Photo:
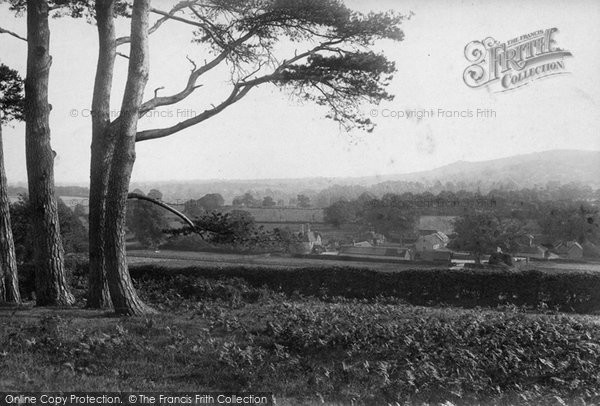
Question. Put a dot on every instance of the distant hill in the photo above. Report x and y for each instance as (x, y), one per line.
(562, 166)
(520, 171)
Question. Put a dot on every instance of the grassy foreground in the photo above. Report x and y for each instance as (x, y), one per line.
(225, 335)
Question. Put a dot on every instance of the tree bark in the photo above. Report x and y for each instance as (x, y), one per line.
(9, 280)
(51, 285)
(124, 297)
(98, 292)
(101, 154)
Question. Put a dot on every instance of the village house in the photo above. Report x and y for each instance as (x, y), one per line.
(528, 249)
(430, 242)
(568, 249)
(308, 240)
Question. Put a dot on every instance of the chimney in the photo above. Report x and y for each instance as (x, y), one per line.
(307, 228)
(302, 229)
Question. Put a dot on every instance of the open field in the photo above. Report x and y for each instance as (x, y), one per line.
(183, 258)
(223, 334)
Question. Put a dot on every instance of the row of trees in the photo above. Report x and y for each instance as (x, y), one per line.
(552, 191)
(248, 200)
(331, 66)
(484, 232)
(389, 215)
(557, 220)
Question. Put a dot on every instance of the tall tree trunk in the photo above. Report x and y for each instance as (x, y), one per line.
(124, 297)
(9, 281)
(102, 149)
(3, 230)
(50, 282)
(98, 292)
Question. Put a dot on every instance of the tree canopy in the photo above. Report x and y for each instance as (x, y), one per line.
(11, 95)
(484, 232)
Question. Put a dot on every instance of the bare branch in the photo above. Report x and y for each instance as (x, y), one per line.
(235, 95)
(194, 67)
(157, 89)
(166, 16)
(14, 34)
(193, 78)
(176, 18)
(240, 89)
(210, 28)
(123, 55)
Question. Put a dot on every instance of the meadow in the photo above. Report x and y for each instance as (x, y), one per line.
(230, 333)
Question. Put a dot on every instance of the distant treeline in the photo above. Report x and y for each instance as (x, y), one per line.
(575, 216)
(451, 191)
(75, 191)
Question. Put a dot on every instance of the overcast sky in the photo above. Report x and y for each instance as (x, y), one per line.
(270, 135)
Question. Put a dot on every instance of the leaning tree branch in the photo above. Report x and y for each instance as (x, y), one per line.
(164, 206)
(238, 92)
(14, 34)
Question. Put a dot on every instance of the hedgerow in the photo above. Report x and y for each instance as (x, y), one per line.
(577, 292)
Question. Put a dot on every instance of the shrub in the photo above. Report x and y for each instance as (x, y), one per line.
(76, 271)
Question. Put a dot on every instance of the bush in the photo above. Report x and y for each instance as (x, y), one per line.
(568, 292)
(76, 273)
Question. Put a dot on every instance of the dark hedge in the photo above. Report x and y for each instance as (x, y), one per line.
(568, 292)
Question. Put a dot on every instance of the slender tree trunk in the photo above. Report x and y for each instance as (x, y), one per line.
(101, 151)
(3, 231)
(9, 280)
(51, 285)
(98, 292)
(2, 285)
(124, 297)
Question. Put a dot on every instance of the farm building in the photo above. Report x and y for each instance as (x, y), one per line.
(442, 255)
(533, 251)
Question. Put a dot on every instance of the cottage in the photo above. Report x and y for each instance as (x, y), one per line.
(590, 250)
(430, 242)
(307, 241)
(569, 249)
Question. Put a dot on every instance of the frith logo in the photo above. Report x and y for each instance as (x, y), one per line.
(515, 63)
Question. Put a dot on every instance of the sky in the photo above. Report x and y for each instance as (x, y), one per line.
(272, 135)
